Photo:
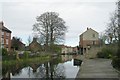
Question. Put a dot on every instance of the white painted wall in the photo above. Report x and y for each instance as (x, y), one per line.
(88, 35)
(67, 49)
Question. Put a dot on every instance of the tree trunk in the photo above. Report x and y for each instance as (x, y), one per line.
(47, 37)
(51, 40)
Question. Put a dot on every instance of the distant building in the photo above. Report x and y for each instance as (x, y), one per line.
(75, 49)
(5, 37)
(16, 44)
(88, 39)
(34, 46)
(66, 49)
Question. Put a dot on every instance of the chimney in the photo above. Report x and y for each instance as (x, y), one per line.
(87, 28)
(2, 23)
(34, 39)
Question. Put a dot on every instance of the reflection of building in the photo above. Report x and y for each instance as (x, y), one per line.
(87, 39)
(66, 58)
(5, 37)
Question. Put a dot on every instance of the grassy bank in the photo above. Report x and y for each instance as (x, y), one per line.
(39, 59)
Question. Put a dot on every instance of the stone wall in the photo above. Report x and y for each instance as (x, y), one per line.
(92, 53)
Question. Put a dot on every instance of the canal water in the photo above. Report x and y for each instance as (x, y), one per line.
(62, 67)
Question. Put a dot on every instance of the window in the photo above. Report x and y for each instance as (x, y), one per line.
(6, 41)
(93, 35)
(94, 42)
(6, 46)
(7, 34)
(2, 33)
(2, 46)
(2, 40)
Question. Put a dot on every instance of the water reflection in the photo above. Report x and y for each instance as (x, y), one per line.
(60, 67)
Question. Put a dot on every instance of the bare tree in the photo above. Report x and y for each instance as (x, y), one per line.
(116, 59)
(103, 38)
(118, 52)
(29, 40)
(112, 29)
(51, 27)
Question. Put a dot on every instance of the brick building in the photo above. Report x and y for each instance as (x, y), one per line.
(17, 44)
(5, 37)
(34, 46)
(88, 39)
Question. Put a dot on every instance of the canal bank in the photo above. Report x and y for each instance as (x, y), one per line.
(62, 67)
(97, 68)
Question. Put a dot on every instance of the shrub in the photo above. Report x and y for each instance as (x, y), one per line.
(4, 52)
(26, 55)
(105, 53)
(17, 56)
(116, 62)
(8, 55)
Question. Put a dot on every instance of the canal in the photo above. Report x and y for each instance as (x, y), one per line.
(59, 67)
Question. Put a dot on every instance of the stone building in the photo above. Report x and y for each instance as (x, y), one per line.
(66, 49)
(88, 39)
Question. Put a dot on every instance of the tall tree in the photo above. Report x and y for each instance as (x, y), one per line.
(112, 28)
(102, 38)
(51, 27)
(118, 53)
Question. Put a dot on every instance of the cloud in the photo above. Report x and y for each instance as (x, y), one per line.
(20, 16)
(48, 1)
(0, 11)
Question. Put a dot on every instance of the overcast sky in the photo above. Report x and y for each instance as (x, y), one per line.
(19, 16)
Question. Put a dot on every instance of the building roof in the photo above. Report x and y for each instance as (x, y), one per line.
(87, 30)
(18, 41)
(4, 28)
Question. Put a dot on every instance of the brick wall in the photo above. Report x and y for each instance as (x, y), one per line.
(5, 37)
(7, 40)
(85, 43)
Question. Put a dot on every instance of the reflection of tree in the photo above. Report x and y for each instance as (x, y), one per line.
(56, 70)
(66, 58)
(29, 71)
(40, 71)
(48, 70)
(14, 69)
(60, 71)
(51, 70)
